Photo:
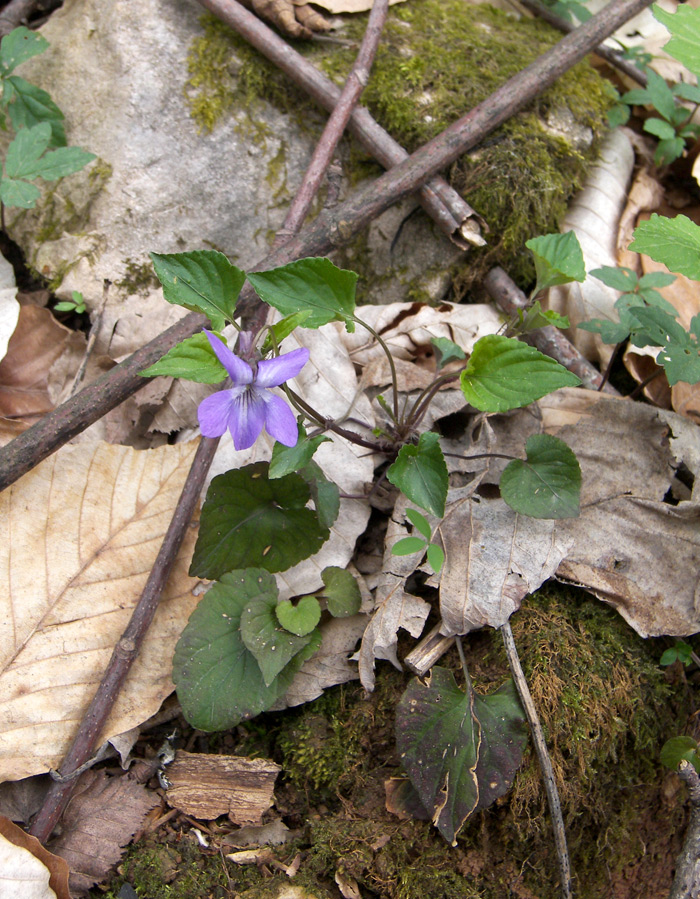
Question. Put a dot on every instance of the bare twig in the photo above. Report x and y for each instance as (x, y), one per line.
(334, 227)
(550, 341)
(325, 148)
(614, 57)
(126, 649)
(442, 203)
(550, 783)
(686, 883)
(132, 639)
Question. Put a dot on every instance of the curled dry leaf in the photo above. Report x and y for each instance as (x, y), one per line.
(103, 815)
(206, 786)
(593, 216)
(27, 869)
(80, 534)
(38, 341)
(9, 306)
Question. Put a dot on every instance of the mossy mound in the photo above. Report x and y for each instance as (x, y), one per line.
(437, 60)
(607, 707)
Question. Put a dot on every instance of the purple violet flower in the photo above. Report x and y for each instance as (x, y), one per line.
(249, 405)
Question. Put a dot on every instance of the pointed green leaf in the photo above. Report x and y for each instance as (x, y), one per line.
(202, 280)
(286, 459)
(406, 546)
(684, 26)
(314, 284)
(623, 279)
(298, 618)
(547, 484)
(558, 259)
(218, 680)
(436, 557)
(248, 519)
(341, 592)
(273, 647)
(18, 193)
(25, 150)
(282, 329)
(324, 493)
(446, 351)
(610, 332)
(675, 750)
(192, 359)
(29, 105)
(58, 163)
(504, 373)
(20, 45)
(680, 354)
(675, 242)
(537, 317)
(419, 522)
(420, 473)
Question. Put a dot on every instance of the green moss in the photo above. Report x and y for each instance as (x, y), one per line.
(139, 278)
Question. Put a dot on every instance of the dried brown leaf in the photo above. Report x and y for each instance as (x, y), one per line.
(79, 535)
(103, 815)
(206, 786)
(27, 869)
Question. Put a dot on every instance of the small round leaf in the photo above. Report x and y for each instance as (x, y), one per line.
(299, 619)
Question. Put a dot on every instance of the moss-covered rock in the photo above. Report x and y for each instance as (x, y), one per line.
(437, 60)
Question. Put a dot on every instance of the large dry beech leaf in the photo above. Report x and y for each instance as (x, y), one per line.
(78, 537)
(206, 786)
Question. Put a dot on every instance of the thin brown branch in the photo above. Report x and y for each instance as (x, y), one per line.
(453, 215)
(550, 341)
(127, 648)
(550, 784)
(334, 227)
(129, 645)
(686, 882)
(614, 57)
(326, 146)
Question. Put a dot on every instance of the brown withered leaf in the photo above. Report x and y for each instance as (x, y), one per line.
(27, 869)
(37, 342)
(206, 786)
(103, 815)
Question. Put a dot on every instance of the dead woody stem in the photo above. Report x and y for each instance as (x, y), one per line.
(332, 228)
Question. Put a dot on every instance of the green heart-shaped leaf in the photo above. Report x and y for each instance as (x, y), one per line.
(421, 473)
(545, 485)
(273, 647)
(300, 618)
(341, 592)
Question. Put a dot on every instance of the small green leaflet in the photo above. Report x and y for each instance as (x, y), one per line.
(406, 546)
(558, 260)
(286, 459)
(20, 45)
(675, 750)
(461, 751)
(203, 281)
(675, 242)
(419, 522)
(340, 592)
(547, 484)
(283, 328)
(18, 193)
(192, 359)
(657, 94)
(218, 680)
(248, 519)
(684, 26)
(25, 150)
(446, 351)
(299, 618)
(537, 317)
(272, 645)
(420, 472)
(324, 493)
(680, 354)
(503, 373)
(314, 285)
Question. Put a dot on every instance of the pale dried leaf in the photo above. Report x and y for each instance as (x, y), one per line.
(593, 216)
(80, 534)
(206, 786)
(273, 834)
(20, 800)
(645, 195)
(27, 869)
(337, 7)
(9, 306)
(101, 818)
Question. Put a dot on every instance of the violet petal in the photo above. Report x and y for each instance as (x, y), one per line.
(273, 372)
